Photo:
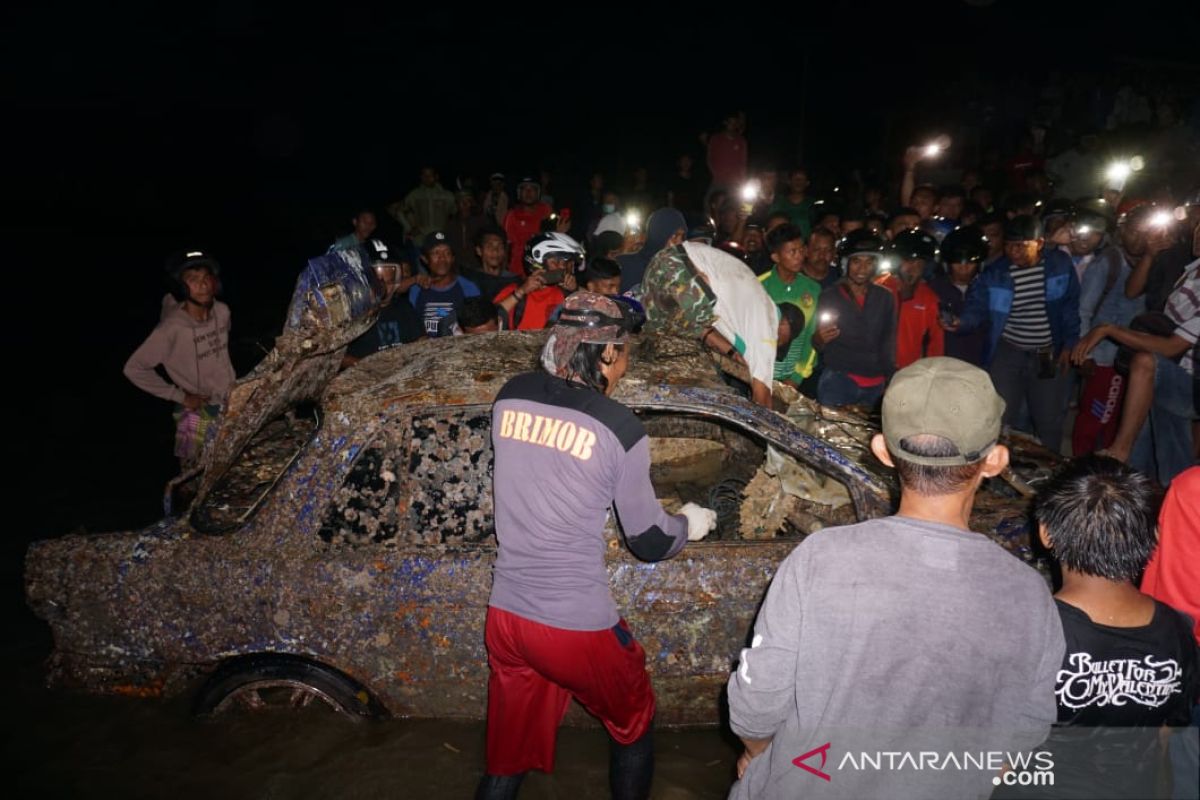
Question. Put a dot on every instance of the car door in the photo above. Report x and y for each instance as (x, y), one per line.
(404, 563)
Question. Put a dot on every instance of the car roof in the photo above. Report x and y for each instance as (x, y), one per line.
(470, 370)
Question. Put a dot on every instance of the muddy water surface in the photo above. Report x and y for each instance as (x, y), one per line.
(63, 744)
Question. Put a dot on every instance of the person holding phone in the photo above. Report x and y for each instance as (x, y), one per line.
(961, 253)
(551, 260)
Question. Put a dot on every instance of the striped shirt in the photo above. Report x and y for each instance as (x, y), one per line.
(1183, 307)
(1028, 327)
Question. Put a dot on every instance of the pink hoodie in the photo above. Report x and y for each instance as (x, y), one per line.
(194, 354)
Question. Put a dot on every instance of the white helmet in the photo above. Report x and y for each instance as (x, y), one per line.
(542, 246)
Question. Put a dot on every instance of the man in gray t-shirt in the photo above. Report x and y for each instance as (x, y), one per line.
(905, 656)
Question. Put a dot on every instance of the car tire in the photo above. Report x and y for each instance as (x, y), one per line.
(245, 681)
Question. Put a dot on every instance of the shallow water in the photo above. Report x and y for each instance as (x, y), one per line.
(65, 744)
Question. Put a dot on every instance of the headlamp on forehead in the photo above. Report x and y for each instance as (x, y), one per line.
(1161, 219)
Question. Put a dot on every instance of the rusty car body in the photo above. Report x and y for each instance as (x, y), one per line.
(339, 544)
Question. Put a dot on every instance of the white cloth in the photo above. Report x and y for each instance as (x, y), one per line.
(746, 314)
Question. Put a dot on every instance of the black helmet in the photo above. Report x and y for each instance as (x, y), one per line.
(914, 244)
(190, 259)
(964, 244)
(700, 228)
(1058, 207)
(178, 263)
(379, 253)
(1137, 216)
(1022, 228)
(861, 242)
(1088, 220)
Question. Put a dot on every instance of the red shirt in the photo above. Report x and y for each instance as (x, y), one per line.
(521, 223)
(727, 159)
(918, 334)
(538, 307)
(1173, 575)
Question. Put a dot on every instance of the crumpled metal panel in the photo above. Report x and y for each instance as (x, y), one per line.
(332, 291)
(335, 302)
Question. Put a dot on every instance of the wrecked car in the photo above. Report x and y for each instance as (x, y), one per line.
(337, 541)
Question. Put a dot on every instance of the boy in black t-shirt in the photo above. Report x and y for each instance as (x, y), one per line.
(1131, 665)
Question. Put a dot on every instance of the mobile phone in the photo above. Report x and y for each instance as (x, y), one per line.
(552, 276)
(945, 315)
(565, 214)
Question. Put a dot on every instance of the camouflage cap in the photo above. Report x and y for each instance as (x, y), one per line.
(586, 318)
(942, 397)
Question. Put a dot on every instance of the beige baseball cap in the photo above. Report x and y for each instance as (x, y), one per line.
(943, 397)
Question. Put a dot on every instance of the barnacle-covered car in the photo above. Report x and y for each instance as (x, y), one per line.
(339, 541)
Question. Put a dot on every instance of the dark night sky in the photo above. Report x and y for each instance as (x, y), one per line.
(191, 122)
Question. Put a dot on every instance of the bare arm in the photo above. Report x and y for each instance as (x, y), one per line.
(1170, 346)
(715, 341)
(1155, 244)
(531, 284)
(754, 749)
(1167, 346)
(760, 393)
(1135, 285)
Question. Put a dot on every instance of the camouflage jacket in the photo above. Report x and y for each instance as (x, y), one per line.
(676, 299)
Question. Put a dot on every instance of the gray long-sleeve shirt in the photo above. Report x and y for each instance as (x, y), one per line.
(895, 635)
(564, 454)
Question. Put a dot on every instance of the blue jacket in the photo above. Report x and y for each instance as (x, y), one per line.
(1096, 307)
(990, 298)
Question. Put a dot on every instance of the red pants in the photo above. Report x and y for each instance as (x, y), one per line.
(536, 670)
(1099, 411)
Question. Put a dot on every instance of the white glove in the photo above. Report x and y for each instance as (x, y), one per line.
(700, 520)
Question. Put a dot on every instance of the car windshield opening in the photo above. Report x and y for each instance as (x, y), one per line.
(257, 469)
(758, 490)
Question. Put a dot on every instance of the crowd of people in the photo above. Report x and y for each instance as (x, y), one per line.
(1082, 308)
(956, 310)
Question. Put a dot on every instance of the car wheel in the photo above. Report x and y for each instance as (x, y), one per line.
(261, 682)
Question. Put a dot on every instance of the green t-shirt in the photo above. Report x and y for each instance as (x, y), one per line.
(797, 212)
(802, 292)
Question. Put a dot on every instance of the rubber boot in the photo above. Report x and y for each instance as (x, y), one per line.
(499, 787)
(631, 767)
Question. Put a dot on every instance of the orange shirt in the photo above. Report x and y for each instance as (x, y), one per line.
(918, 333)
